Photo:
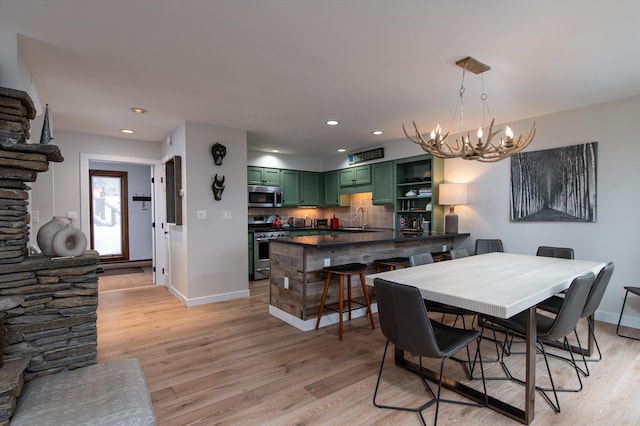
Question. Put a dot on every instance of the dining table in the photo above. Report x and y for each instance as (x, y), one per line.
(496, 284)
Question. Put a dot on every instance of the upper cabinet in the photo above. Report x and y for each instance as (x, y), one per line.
(359, 175)
(383, 183)
(290, 182)
(310, 189)
(332, 188)
(263, 176)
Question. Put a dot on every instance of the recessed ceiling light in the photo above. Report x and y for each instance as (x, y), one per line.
(275, 150)
(138, 110)
(127, 131)
(341, 150)
(333, 122)
(377, 132)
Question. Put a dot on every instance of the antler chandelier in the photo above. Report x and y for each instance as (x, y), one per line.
(487, 150)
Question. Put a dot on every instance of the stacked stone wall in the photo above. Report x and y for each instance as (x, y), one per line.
(51, 312)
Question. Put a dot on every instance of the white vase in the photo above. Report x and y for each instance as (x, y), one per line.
(59, 237)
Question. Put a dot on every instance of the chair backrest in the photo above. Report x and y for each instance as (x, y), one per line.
(458, 253)
(559, 252)
(484, 245)
(597, 291)
(403, 318)
(574, 300)
(420, 259)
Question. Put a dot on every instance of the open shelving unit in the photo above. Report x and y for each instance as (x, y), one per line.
(422, 175)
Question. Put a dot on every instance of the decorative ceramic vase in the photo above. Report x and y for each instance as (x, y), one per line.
(59, 237)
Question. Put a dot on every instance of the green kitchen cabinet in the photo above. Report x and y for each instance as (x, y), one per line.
(331, 188)
(383, 183)
(310, 189)
(263, 176)
(290, 182)
(358, 175)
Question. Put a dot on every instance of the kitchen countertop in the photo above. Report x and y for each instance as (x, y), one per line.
(351, 237)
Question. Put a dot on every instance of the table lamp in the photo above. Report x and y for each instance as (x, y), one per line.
(452, 194)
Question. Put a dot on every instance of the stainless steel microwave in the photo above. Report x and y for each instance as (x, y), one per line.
(265, 196)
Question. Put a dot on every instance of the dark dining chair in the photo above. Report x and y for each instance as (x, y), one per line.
(458, 253)
(632, 290)
(484, 245)
(559, 252)
(404, 321)
(554, 304)
(550, 328)
(420, 259)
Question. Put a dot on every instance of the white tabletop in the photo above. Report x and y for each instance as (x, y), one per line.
(498, 284)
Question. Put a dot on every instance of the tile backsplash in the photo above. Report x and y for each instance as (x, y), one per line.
(375, 216)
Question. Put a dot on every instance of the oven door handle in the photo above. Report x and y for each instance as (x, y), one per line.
(262, 270)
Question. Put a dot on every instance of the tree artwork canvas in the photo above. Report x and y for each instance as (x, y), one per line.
(555, 185)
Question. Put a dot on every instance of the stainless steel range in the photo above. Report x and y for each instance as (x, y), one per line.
(263, 233)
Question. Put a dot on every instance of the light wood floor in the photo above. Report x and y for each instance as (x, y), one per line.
(107, 281)
(233, 363)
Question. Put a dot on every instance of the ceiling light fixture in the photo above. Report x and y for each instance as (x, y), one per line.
(333, 122)
(341, 150)
(483, 151)
(127, 131)
(377, 132)
(138, 110)
(275, 150)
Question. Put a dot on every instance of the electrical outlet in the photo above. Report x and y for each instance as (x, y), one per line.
(327, 262)
(444, 247)
(286, 283)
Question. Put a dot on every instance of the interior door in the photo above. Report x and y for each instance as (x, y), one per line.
(160, 234)
(109, 216)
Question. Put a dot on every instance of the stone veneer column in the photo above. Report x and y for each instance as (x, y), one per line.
(51, 312)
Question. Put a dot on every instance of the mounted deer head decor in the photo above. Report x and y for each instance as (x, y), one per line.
(218, 151)
(217, 186)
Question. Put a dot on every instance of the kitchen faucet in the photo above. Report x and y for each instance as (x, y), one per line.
(362, 224)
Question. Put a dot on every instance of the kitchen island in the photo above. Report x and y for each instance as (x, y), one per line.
(297, 279)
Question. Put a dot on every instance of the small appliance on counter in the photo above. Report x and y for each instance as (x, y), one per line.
(322, 223)
(335, 222)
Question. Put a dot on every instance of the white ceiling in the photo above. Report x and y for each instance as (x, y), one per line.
(280, 68)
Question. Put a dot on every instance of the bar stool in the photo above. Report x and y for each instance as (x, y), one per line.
(391, 264)
(341, 271)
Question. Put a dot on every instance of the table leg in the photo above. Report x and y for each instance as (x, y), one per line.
(530, 378)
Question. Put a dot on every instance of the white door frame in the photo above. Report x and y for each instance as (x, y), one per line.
(85, 158)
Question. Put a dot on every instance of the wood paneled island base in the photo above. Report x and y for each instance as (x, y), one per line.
(297, 278)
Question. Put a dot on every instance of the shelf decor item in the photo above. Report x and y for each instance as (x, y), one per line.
(59, 237)
(488, 150)
(452, 194)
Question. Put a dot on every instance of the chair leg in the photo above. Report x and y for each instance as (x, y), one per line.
(624, 302)
(349, 295)
(368, 301)
(341, 303)
(392, 407)
(324, 298)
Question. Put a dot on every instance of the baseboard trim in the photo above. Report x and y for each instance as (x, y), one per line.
(327, 319)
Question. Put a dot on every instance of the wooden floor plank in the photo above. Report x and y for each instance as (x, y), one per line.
(233, 363)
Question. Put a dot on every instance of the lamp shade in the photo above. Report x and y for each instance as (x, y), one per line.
(452, 194)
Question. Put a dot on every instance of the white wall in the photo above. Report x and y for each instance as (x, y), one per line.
(140, 220)
(615, 126)
(57, 191)
(210, 254)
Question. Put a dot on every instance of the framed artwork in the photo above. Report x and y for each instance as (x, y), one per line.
(555, 185)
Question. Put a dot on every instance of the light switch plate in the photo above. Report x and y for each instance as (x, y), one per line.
(226, 215)
(202, 214)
